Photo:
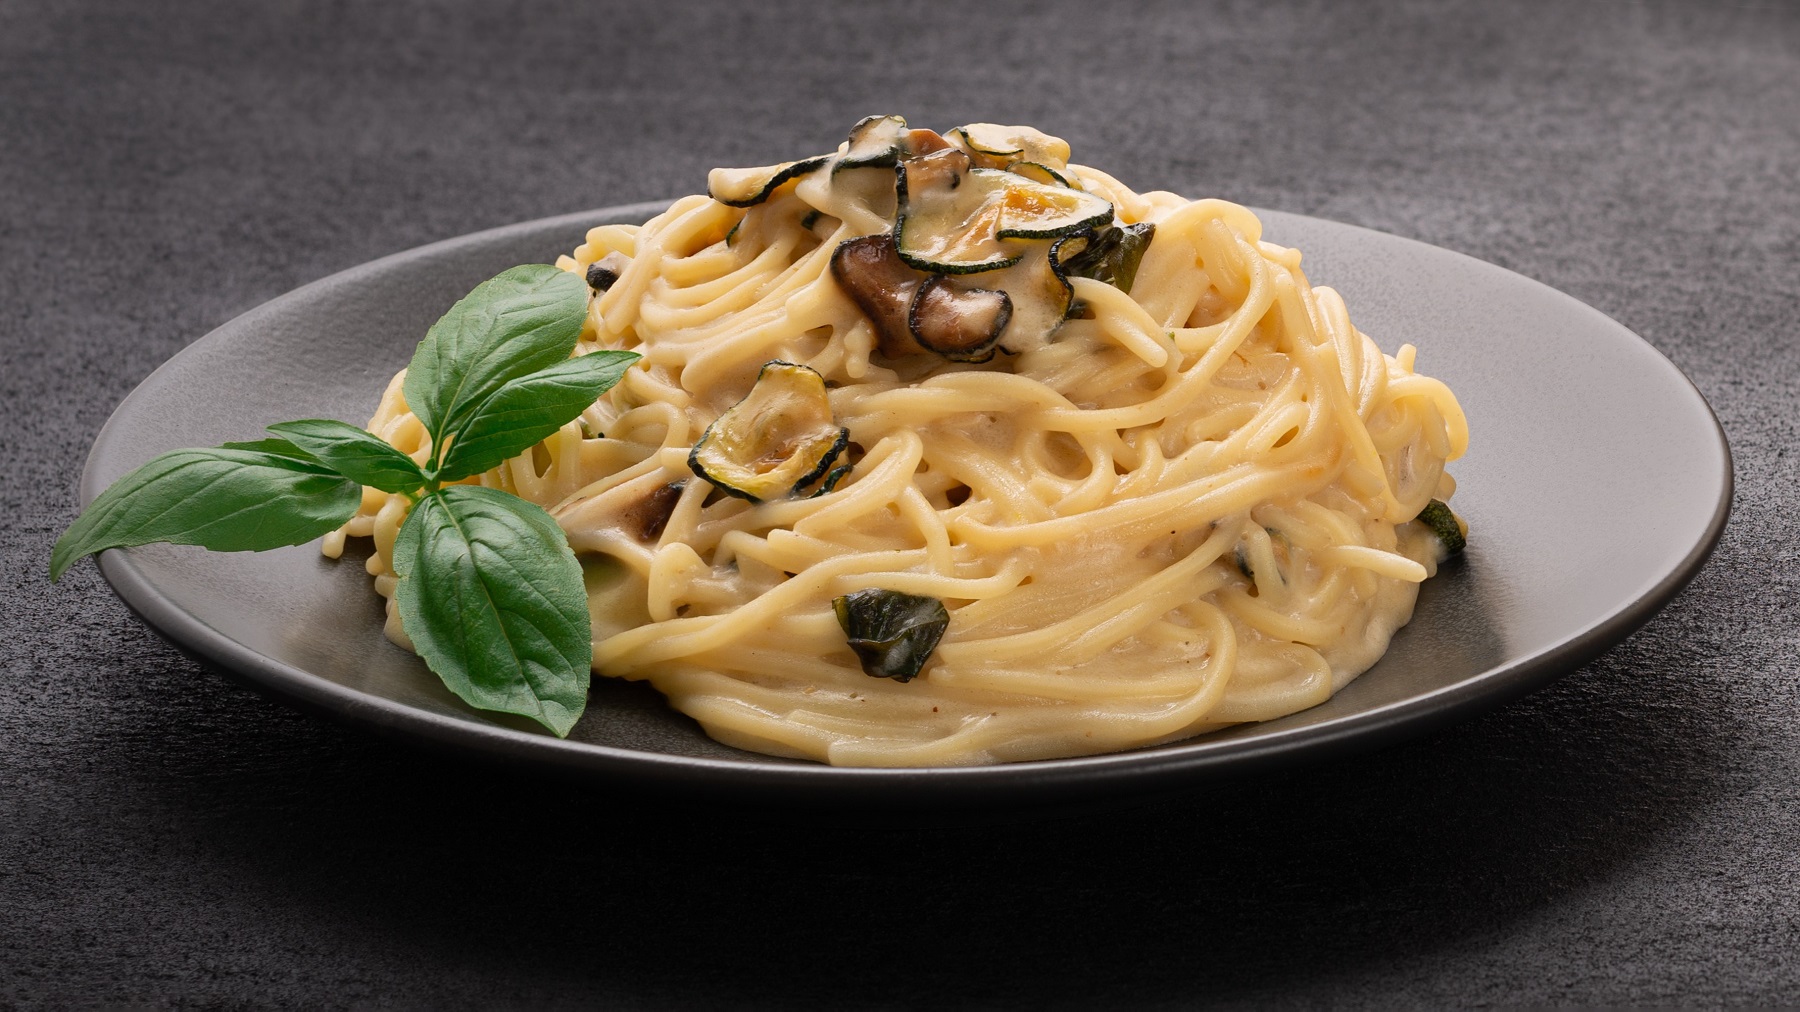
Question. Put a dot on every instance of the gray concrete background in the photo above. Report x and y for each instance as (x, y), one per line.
(167, 837)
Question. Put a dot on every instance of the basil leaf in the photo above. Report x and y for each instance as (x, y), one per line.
(492, 598)
(518, 322)
(527, 409)
(227, 499)
(354, 453)
(892, 633)
(280, 448)
(1112, 255)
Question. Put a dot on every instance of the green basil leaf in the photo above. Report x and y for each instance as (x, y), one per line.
(226, 499)
(492, 598)
(525, 410)
(892, 633)
(280, 448)
(518, 322)
(354, 453)
(1112, 255)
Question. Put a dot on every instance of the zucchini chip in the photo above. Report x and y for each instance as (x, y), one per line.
(893, 634)
(953, 220)
(1041, 173)
(994, 146)
(876, 142)
(1034, 210)
(939, 226)
(1110, 254)
(830, 484)
(1438, 516)
(777, 440)
(749, 187)
(961, 324)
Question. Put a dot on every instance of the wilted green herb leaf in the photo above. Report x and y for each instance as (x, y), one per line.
(892, 633)
(1112, 255)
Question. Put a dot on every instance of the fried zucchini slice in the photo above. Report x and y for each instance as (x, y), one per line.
(875, 142)
(1041, 298)
(777, 440)
(955, 219)
(995, 146)
(1039, 172)
(749, 187)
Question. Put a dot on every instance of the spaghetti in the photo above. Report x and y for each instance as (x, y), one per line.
(1187, 501)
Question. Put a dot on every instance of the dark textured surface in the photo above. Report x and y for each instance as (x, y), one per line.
(167, 837)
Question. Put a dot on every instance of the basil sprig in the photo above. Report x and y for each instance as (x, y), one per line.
(488, 589)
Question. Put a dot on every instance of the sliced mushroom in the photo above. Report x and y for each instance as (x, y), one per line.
(646, 518)
(869, 271)
(938, 169)
(777, 440)
(962, 324)
(924, 142)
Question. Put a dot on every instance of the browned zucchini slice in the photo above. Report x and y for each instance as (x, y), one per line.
(961, 324)
(952, 221)
(1041, 173)
(877, 141)
(749, 187)
(777, 440)
(1034, 210)
(996, 146)
(944, 225)
(830, 484)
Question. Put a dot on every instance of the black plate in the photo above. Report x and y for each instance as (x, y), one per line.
(1597, 483)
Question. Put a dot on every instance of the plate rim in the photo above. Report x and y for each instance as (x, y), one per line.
(1181, 764)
